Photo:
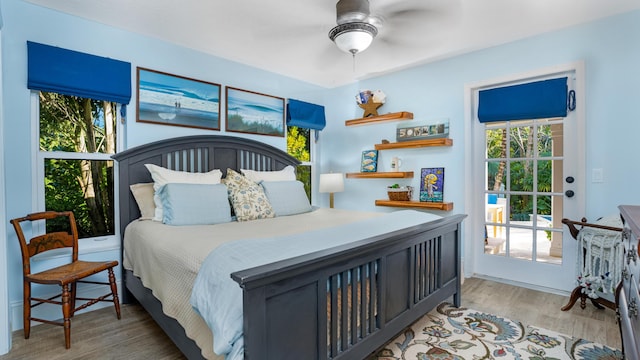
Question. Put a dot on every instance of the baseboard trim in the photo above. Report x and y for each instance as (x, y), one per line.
(523, 285)
(54, 312)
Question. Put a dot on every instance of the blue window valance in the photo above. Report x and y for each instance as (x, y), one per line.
(305, 115)
(534, 100)
(68, 72)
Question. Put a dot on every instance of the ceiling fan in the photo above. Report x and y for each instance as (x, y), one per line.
(357, 26)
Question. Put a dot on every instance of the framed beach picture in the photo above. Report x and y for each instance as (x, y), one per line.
(254, 113)
(432, 184)
(369, 161)
(176, 100)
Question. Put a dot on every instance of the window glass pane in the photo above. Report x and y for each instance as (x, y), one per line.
(74, 124)
(303, 173)
(496, 143)
(299, 143)
(545, 175)
(521, 142)
(545, 141)
(521, 208)
(496, 171)
(521, 243)
(84, 187)
(521, 175)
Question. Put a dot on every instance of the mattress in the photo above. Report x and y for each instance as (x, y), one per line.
(167, 258)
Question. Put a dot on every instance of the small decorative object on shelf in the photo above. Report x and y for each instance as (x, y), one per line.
(432, 184)
(399, 193)
(370, 101)
(369, 161)
(424, 131)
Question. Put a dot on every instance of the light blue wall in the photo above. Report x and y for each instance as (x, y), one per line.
(610, 49)
(26, 22)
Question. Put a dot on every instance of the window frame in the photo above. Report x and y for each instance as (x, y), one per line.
(311, 163)
(86, 245)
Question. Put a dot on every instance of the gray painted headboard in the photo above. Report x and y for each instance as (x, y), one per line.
(199, 153)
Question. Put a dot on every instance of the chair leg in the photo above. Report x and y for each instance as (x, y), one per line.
(72, 300)
(26, 313)
(66, 313)
(114, 291)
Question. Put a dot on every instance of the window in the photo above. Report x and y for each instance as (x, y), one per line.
(523, 189)
(299, 146)
(76, 137)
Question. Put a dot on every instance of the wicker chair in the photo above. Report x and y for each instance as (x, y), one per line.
(65, 275)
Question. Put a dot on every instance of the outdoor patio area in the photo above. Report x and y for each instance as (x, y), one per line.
(521, 244)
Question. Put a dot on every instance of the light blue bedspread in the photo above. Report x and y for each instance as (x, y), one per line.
(218, 299)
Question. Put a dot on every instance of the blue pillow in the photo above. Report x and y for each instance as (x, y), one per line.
(194, 204)
(286, 197)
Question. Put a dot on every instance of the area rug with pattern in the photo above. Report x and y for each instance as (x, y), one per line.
(454, 333)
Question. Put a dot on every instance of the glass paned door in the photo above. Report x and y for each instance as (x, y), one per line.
(524, 199)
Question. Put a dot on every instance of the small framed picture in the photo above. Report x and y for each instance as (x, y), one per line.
(432, 184)
(369, 161)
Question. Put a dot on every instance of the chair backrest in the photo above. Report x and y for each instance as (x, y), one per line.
(48, 241)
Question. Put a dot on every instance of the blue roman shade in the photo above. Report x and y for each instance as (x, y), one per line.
(305, 115)
(534, 100)
(68, 72)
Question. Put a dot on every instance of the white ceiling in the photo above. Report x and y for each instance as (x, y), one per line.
(289, 37)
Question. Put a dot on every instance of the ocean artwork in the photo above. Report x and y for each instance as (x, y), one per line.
(176, 100)
(254, 113)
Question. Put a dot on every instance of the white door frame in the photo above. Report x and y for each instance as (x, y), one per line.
(474, 223)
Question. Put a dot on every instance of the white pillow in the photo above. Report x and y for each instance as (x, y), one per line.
(162, 176)
(286, 197)
(143, 193)
(195, 204)
(286, 174)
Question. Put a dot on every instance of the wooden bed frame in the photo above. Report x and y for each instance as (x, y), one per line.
(288, 304)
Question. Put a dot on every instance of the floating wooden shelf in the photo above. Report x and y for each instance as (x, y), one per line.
(403, 115)
(415, 144)
(381, 175)
(446, 206)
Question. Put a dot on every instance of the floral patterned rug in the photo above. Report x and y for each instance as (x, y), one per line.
(454, 333)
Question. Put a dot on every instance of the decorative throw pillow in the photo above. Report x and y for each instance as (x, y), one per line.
(143, 194)
(162, 176)
(286, 174)
(247, 198)
(287, 197)
(194, 204)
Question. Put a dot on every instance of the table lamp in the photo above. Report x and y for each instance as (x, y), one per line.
(331, 183)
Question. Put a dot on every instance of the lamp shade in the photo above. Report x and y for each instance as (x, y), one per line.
(331, 183)
(353, 37)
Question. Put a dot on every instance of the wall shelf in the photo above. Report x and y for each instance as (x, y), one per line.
(381, 175)
(415, 144)
(446, 206)
(403, 115)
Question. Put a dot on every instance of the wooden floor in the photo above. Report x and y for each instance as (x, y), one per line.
(99, 335)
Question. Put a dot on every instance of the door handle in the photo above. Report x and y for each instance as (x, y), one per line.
(569, 193)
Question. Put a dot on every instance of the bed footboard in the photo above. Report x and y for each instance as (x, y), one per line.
(347, 302)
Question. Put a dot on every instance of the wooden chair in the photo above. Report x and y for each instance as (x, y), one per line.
(65, 275)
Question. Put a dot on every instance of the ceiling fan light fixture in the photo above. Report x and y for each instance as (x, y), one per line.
(353, 37)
